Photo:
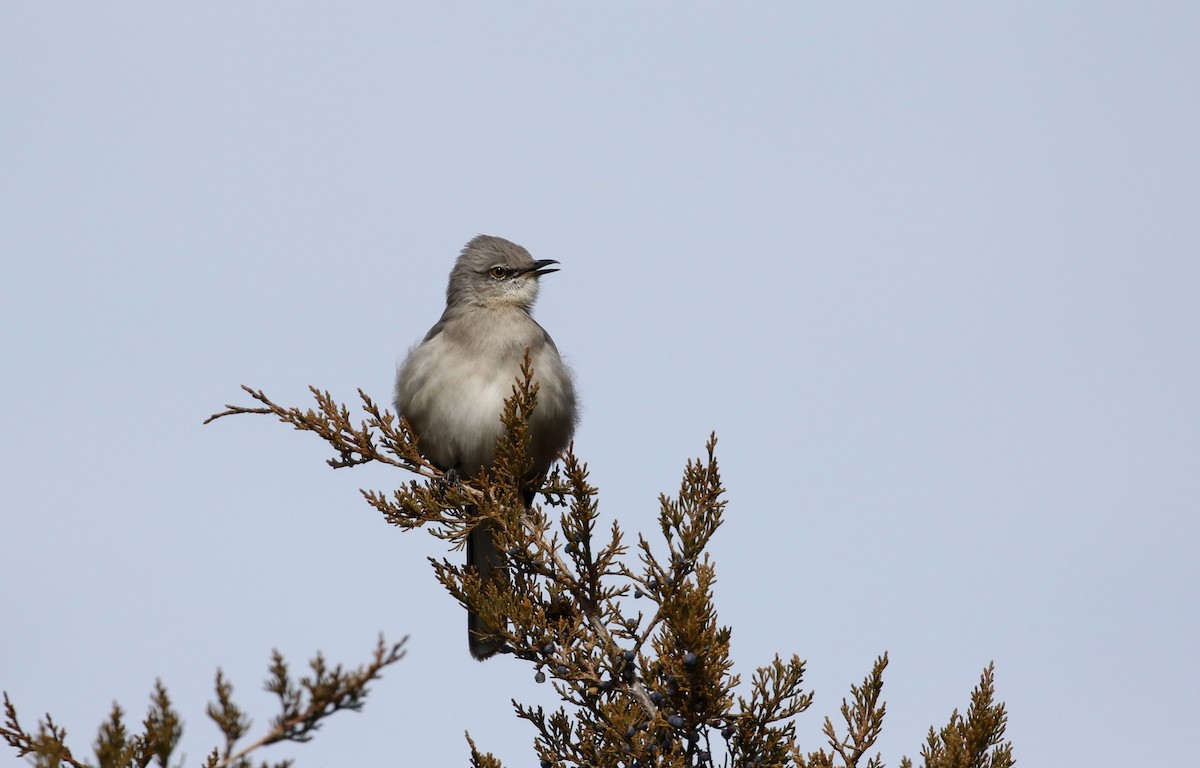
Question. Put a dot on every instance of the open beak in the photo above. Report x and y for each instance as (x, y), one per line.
(539, 268)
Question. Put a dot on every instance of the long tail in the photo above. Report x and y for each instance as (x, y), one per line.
(483, 555)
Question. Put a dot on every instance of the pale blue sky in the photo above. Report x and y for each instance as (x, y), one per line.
(930, 272)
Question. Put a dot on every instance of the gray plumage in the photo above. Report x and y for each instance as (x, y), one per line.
(453, 385)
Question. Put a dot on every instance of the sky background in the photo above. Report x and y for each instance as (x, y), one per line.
(930, 271)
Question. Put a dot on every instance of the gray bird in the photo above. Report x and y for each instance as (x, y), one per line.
(453, 385)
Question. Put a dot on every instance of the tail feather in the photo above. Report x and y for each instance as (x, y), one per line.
(483, 555)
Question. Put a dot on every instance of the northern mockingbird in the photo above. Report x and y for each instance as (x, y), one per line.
(453, 385)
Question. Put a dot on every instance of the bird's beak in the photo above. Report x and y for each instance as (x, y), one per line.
(539, 268)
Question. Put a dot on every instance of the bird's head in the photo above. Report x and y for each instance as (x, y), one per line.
(496, 273)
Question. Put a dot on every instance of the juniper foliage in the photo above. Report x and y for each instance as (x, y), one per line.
(305, 702)
(627, 636)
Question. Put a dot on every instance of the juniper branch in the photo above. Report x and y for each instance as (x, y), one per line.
(557, 609)
(49, 744)
(327, 691)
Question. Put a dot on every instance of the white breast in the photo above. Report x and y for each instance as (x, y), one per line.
(454, 396)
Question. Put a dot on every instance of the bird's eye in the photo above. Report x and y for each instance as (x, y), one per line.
(498, 272)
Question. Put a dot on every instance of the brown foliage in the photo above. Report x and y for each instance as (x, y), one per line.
(633, 649)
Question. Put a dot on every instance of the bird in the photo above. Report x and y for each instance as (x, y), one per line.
(452, 386)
